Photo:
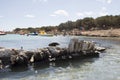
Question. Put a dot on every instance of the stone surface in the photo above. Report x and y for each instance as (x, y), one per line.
(22, 57)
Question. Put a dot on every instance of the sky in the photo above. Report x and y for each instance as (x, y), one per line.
(37, 13)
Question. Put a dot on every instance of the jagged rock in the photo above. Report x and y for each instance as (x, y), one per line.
(5, 55)
(53, 51)
(75, 48)
(17, 60)
(39, 55)
(76, 45)
(28, 54)
(72, 45)
(1, 65)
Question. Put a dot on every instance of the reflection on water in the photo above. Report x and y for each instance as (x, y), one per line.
(106, 67)
(47, 70)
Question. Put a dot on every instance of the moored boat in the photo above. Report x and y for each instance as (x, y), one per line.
(43, 33)
(32, 34)
(2, 33)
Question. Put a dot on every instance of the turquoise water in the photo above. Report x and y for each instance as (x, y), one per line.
(106, 67)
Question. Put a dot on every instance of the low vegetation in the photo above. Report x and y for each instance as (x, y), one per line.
(87, 24)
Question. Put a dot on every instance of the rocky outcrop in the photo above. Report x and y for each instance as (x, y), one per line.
(5, 55)
(76, 48)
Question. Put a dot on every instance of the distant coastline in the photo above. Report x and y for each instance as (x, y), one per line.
(102, 33)
(92, 33)
(104, 26)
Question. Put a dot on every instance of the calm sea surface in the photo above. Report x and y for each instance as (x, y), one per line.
(106, 67)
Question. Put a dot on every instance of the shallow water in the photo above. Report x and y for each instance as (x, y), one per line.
(106, 67)
(31, 42)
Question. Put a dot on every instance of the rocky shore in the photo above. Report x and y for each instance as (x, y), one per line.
(102, 33)
(76, 48)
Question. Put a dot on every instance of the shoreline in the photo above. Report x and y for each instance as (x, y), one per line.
(95, 33)
(102, 33)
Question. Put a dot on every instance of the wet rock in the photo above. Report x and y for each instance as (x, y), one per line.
(29, 54)
(76, 48)
(54, 44)
(54, 51)
(5, 55)
(39, 55)
(1, 65)
(17, 60)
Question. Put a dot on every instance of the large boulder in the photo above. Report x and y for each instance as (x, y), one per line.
(76, 46)
(5, 55)
(17, 60)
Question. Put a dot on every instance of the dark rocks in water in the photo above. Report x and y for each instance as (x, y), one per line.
(54, 51)
(29, 54)
(17, 60)
(5, 55)
(12, 57)
(76, 48)
(39, 55)
(54, 44)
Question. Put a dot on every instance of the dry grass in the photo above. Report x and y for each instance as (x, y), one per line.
(103, 33)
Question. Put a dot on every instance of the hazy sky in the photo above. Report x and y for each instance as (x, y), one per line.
(36, 13)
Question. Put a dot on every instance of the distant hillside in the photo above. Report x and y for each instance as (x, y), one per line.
(88, 23)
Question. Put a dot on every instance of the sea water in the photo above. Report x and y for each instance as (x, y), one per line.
(31, 42)
(106, 67)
